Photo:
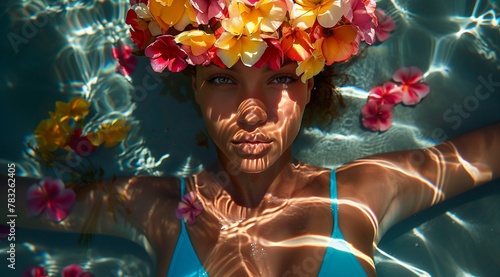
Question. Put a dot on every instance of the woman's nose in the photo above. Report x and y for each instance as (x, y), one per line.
(251, 112)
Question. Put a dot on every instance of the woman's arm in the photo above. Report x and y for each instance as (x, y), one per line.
(398, 184)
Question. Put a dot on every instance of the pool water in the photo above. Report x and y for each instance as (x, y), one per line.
(57, 50)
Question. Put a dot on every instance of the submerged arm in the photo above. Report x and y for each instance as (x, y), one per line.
(398, 184)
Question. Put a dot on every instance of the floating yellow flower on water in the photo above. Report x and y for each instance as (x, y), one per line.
(52, 134)
(305, 13)
(199, 41)
(312, 65)
(77, 108)
(264, 14)
(168, 13)
(110, 134)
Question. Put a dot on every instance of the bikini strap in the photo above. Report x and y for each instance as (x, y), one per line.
(183, 187)
(334, 200)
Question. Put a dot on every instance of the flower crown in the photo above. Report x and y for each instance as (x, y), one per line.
(175, 33)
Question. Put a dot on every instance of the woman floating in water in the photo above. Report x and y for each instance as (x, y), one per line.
(257, 67)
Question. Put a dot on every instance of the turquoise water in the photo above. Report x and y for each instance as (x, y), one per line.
(57, 50)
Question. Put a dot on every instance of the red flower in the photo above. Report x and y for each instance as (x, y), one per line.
(126, 60)
(189, 208)
(136, 2)
(81, 145)
(376, 117)
(51, 196)
(33, 271)
(411, 86)
(385, 25)
(75, 270)
(139, 33)
(273, 55)
(389, 93)
(165, 53)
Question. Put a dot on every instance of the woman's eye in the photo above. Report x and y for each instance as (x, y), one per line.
(283, 80)
(221, 80)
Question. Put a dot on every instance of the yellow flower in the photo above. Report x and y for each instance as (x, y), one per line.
(305, 13)
(52, 133)
(77, 108)
(110, 134)
(265, 14)
(231, 47)
(168, 13)
(199, 41)
(312, 65)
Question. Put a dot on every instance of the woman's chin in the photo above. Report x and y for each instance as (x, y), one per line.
(254, 165)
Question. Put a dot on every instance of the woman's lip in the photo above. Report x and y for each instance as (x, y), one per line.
(252, 147)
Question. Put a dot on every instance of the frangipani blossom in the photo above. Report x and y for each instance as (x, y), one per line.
(389, 93)
(198, 40)
(77, 108)
(273, 56)
(165, 53)
(177, 13)
(110, 133)
(52, 134)
(327, 12)
(339, 42)
(296, 43)
(385, 25)
(312, 65)
(126, 60)
(362, 15)
(139, 33)
(81, 145)
(189, 208)
(264, 15)
(376, 117)
(208, 9)
(411, 85)
(75, 270)
(232, 47)
(50, 196)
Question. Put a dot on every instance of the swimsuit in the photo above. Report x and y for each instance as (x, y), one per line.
(338, 260)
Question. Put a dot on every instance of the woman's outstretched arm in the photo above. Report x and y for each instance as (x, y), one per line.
(398, 184)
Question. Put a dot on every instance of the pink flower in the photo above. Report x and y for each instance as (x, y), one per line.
(81, 145)
(51, 196)
(75, 270)
(389, 93)
(273, 55)
(376, 117)
(165, 53)
(203, 59)
(33, 271)
(411, 86)
(385, 25)
(207, 9)
(126, 60)
(189, 208)
(362, 16)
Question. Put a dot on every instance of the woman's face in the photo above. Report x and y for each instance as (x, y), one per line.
(252, 115)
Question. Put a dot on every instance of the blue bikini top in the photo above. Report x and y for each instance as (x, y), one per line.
(338, 260)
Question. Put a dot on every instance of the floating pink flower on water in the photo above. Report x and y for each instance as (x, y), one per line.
(411, 85)
(376, 117)
(165, 53)
(126, 60)
(51, 196)
(389, 93)
(34, 271)
(75, 270)
(189, 208)
(385, 25)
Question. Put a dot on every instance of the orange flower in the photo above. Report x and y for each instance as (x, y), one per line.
(339, 42)
(168, 13)
(296, 43)
(313, 64)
